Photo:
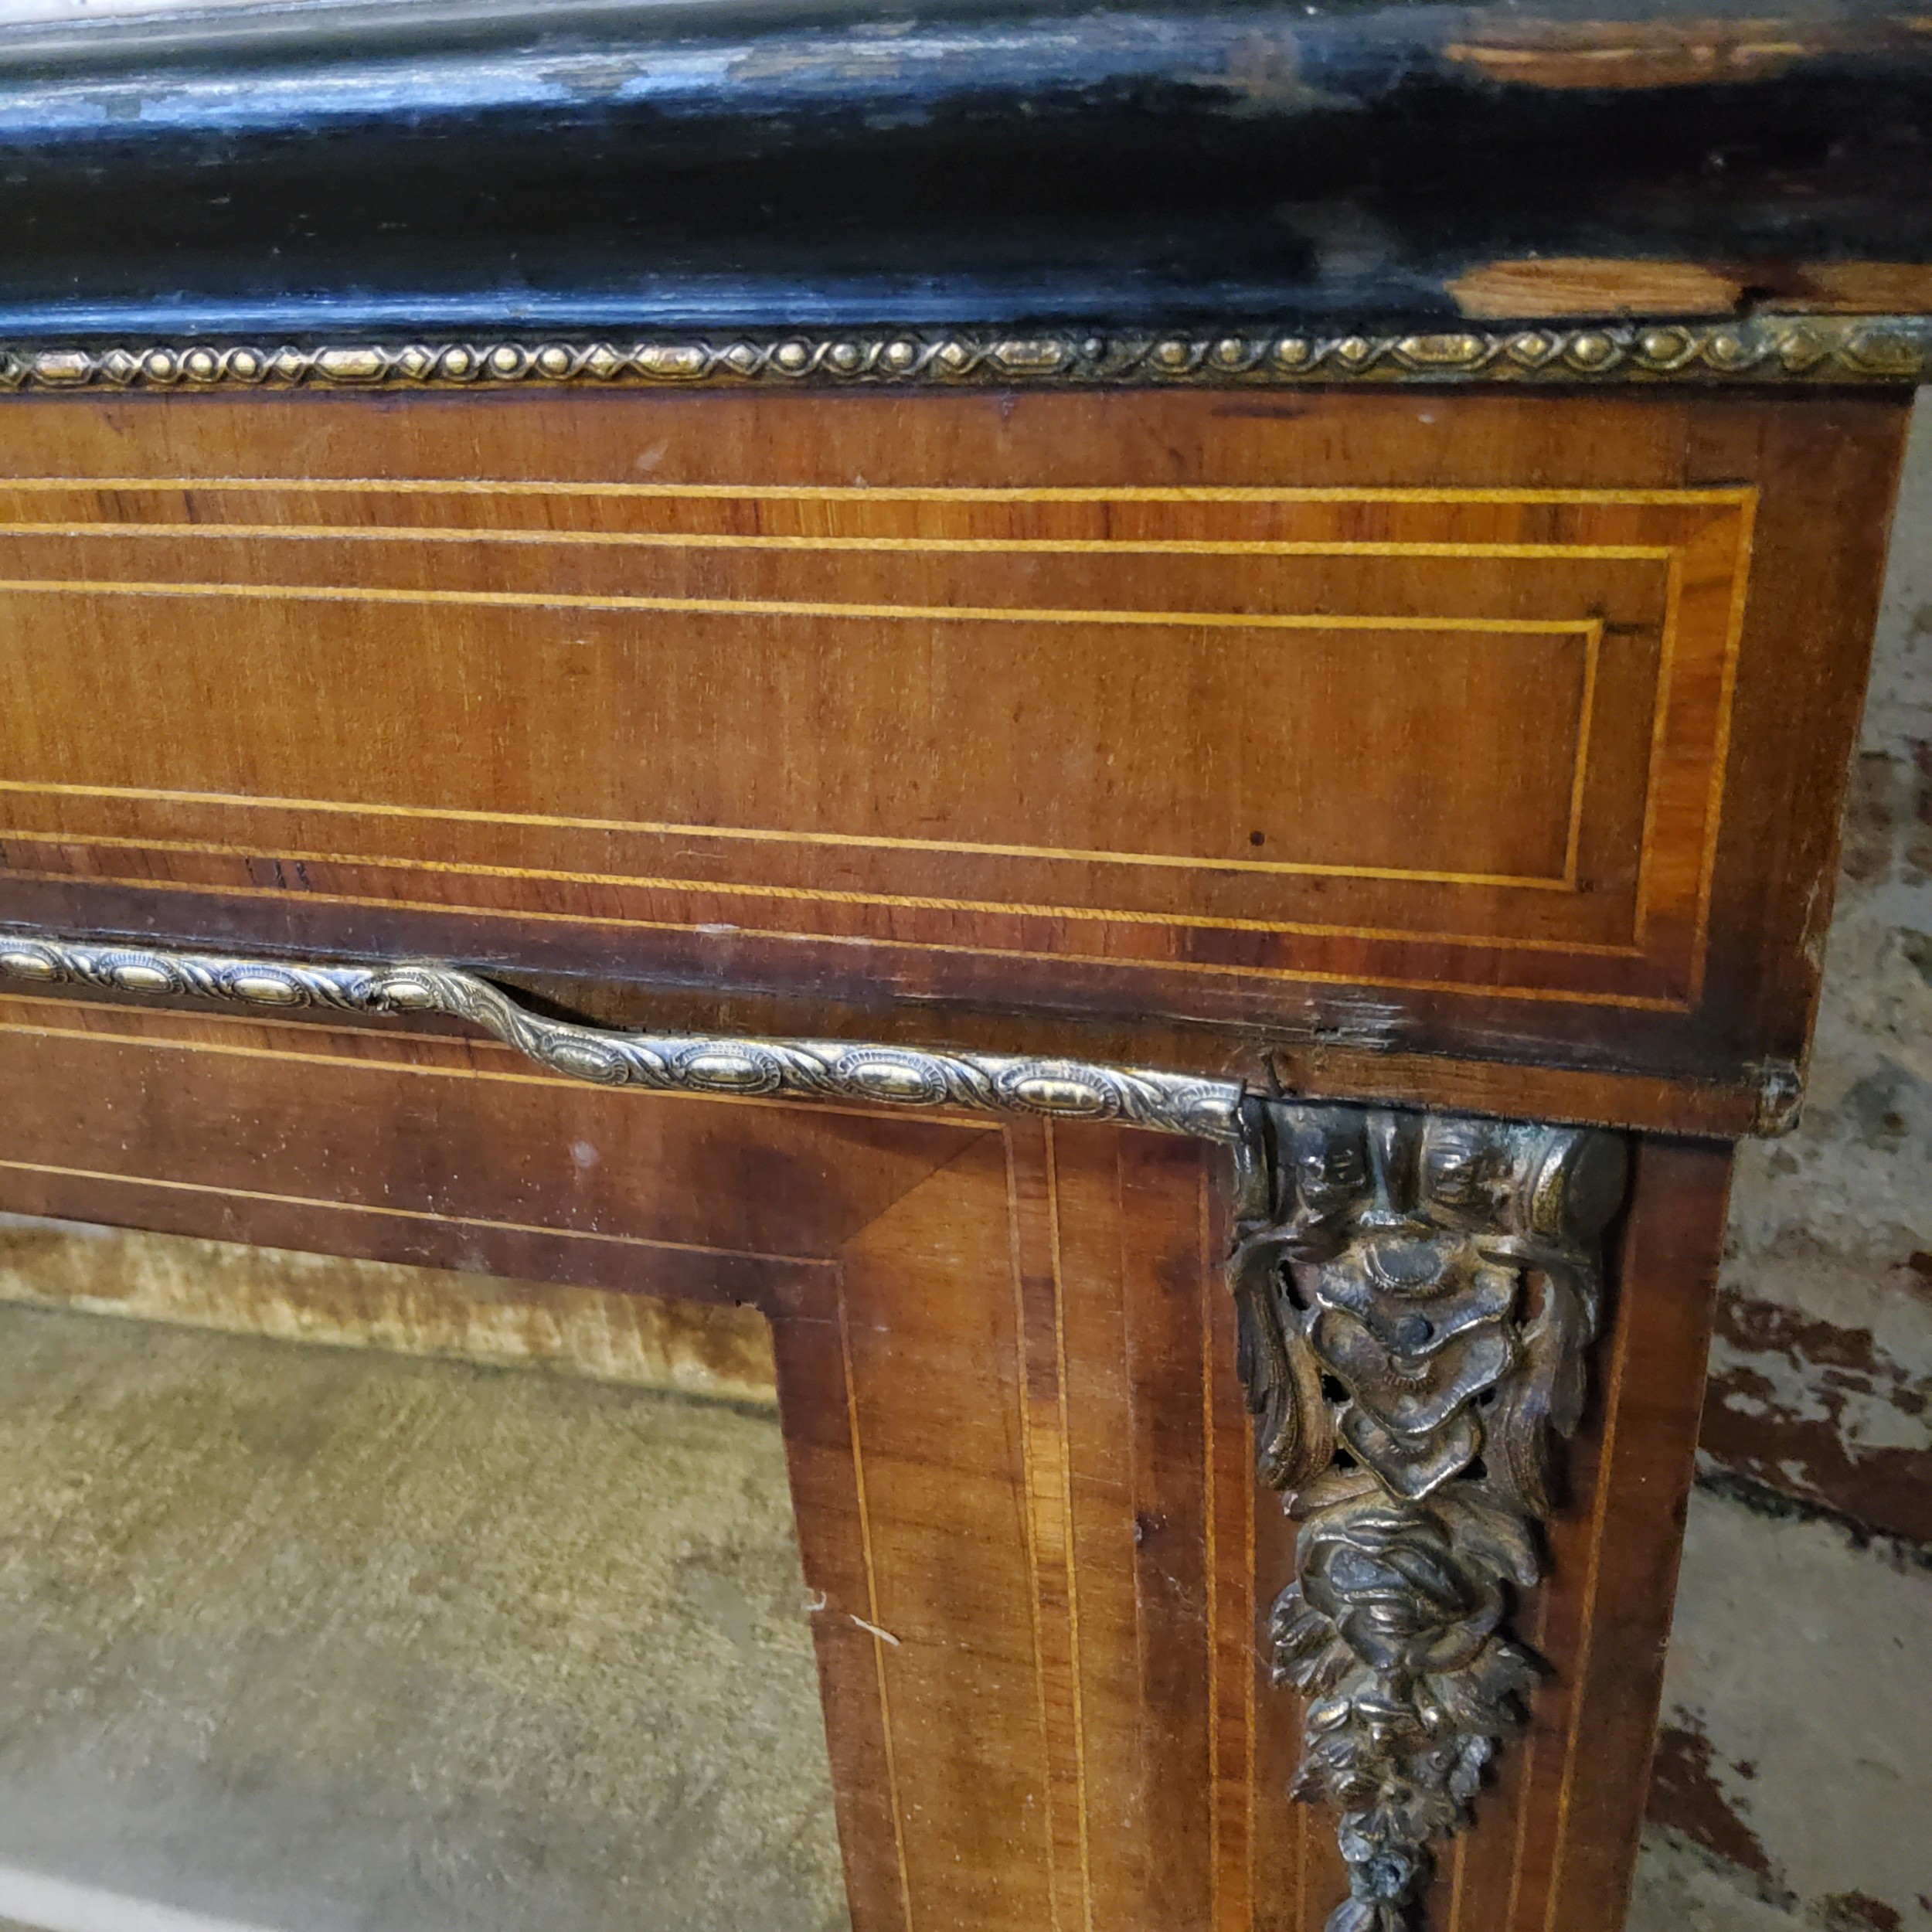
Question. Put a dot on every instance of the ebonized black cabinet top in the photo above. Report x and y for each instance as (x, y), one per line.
(337, 166)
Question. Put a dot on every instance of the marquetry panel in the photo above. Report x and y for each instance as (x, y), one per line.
(1159, 717)
(1353, 712)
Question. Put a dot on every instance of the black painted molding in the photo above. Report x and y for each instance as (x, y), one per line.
(337, 166)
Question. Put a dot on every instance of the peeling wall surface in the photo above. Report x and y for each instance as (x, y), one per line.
(1794, 1787)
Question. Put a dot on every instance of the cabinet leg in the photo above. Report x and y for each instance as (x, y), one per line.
(1418, 1297)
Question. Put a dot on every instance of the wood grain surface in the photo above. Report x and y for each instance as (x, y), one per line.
(1447, 726)
(1019, 1454)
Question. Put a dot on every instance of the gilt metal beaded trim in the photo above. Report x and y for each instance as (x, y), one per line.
(1813, 349)
(801, 1070)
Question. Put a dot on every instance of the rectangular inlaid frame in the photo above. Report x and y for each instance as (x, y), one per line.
(331, 585)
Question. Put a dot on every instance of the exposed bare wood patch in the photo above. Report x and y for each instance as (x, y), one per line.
(1591, 285)
(702, 1348)
(1858, 288)
(1641, 53)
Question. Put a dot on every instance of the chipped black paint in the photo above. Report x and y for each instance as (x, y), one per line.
(329, 167)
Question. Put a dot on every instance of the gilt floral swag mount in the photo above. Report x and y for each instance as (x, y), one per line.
(1417, 1293)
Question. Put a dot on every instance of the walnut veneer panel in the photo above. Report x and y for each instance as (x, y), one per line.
(1019, 1451)
(1420, 720)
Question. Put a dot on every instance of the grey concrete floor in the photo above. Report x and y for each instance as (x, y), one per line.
(302, 1638)
(320, 1641)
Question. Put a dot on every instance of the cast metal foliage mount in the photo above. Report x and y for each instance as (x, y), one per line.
(1417, 1293)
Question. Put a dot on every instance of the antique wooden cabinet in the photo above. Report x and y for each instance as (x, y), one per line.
(933, 670)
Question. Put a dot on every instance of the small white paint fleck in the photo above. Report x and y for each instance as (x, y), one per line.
(584, 1154)
(59, 1905)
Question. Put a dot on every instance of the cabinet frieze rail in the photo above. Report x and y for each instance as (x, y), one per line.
(1417, 1295)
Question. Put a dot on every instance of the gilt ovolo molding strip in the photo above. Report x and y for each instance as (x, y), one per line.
(800, 1069)
(1778, 348)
